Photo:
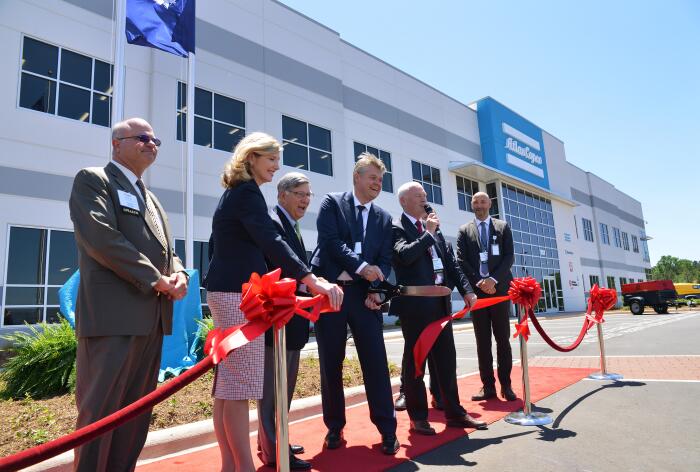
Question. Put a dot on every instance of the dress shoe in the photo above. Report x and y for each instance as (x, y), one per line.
(334, 439)
(294, 464)
(466, 421)
(421, 427)
(484, 394)
(390, 445)
(437, 404)
(296, 449)
(508, 394)
(400, 403)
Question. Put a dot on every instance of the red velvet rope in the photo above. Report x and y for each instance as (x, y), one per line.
(266, 300)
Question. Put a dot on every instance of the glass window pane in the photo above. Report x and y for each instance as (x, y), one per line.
(202, 103)
(18, 316)
(24, 296)
(358, 149)
(40, 57)
(415, 168)
(293, 130)
(319, 138)
(103, 77)
(76, 69)
(429, 192)
(386, 159)
(437, 194)
(436, 176)
(226, 137)
(74, 103)
(26, 256)
(202, 131)
(321, 162)
(229, 110)
(295, 155)
(181, 96)
(425, 173)
(38, 94)
(181, 125)
(373, 150)
(53, 314)
(460, 184)
(63, 257)
(101, 109)
(387, 183)
(180, 249)
(52, 296)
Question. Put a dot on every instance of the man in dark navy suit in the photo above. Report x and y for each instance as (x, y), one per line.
(422, 257)
(354, 250)
(293, 198)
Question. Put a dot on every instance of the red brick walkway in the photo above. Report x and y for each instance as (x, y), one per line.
(632, 367)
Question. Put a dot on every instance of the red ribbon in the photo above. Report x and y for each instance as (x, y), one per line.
(267, 301)
(526, 292)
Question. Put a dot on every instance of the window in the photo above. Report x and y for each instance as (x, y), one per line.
(595, 280)
(617, 237)
(611, 282)
(384, 156)
(429, 177)
(625, 241)
(604, 236)
(219, 121)
(623, 281)
(491, 191)
(201, 263)
(587, 229)
(645, 246)
(647, 274)
(465, 190)
(635, 244)
(576, 227)
(39, 262)
(61, 82)
(306, 146)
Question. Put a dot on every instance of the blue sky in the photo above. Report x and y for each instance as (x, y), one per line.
(617, 81)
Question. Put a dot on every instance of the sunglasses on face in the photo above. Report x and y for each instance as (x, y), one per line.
(144, 138)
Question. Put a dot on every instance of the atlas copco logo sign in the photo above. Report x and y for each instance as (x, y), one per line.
(511, 144)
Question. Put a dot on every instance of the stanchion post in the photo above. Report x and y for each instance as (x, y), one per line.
(281, 400)
(526, 417)
(604, 374)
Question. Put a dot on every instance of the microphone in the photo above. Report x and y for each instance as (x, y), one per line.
(428, 209)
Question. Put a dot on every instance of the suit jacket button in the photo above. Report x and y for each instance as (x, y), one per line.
(163, 252)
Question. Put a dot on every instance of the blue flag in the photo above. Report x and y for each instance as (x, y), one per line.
(167, 25)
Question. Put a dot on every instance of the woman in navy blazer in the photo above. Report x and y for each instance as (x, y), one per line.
(243, 235)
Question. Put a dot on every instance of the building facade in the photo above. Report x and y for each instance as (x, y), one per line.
(263, 66)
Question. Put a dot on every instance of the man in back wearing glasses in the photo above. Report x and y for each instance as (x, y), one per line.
(129, 277)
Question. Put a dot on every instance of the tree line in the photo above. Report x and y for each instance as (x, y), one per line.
(676, 269)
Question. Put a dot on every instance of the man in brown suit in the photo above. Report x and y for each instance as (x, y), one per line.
(129, 275)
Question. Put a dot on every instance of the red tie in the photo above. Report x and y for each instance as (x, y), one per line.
(419, 227)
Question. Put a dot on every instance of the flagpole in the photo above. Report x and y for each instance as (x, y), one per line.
(118, 85)
(189, 166)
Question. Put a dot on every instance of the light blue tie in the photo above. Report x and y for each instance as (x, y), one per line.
(483, 266)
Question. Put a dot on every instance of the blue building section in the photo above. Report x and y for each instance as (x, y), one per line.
(511, 144)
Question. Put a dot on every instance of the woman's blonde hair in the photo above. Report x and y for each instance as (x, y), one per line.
(237, 169)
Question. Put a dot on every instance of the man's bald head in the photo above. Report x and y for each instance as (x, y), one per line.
(126, 127)
(481, 203)
(127, 147)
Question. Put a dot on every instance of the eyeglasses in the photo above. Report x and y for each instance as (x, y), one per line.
(144, 138)
(301, 194)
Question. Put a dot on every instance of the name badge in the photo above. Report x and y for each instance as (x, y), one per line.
(128, 200)
(437, 264)
(495, 251)
(358, 248)
(484, 256)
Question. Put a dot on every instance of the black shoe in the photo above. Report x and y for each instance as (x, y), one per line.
(400, 403)
(421, 427)
(484, 394)
(296, 449)
(390, 445)
(437, 404)
(466, 421)
(508, 394)
(294, 464)
(334, 439)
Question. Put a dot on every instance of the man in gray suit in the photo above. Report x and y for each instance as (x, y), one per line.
(485, 254)
(129, 275)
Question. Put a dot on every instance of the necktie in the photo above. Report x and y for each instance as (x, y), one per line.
(419, 227)
(151, 214)
(360, 222)
(483, 265)
(298, 231)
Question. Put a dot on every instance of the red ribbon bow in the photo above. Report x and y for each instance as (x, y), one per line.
(267, 301)
(526, 292)
(601, 299)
